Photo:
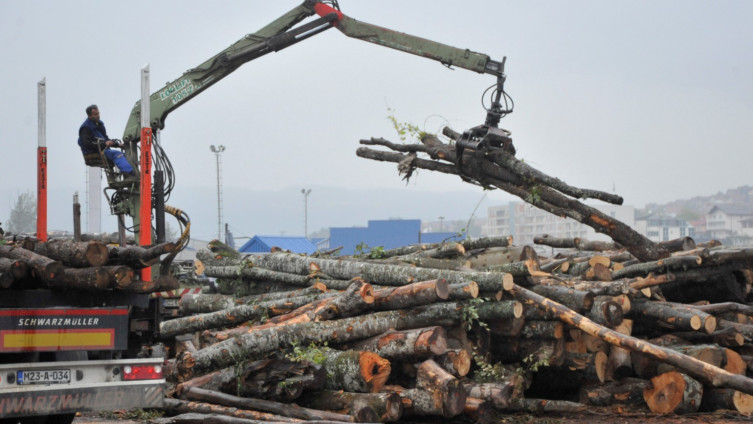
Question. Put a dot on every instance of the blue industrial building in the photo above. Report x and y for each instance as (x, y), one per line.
(263, 244)
(389, 234)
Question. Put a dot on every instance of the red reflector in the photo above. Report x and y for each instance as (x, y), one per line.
(142, 372)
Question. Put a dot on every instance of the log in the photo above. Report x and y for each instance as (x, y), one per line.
(255, 273)
(606, 311)
(707, 373)
(273, 378)
(487, 242)
(628, 391)
(556, 242)
(619, 364)
(284, 409)
(465, 291)
(677, 245)
(678, 319)
(17, 268)
(675, 263)
(415, 294)
(137, 256)
(387, 275)
(546, 406)
(576, 300)
(420, 402)
(479, 411)
(355, 371)
(728, 337)
(499, 394)
(543, 330)
(420, 343)
(387, 406)
(177, 406)
(42, 267)
(74, 254)
(714, 399)
(455, 361)
(92, 278)
(205, 303)
(121, 277)
(673, 392)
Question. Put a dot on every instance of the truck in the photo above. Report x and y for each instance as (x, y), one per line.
(68, 351)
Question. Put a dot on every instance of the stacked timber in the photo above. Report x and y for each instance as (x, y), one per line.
(466, 330)
(61, 264)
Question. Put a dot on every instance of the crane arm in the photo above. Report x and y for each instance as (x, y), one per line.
(274, 37)
(447, 55)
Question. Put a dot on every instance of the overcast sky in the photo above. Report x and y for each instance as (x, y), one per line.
(651, 99)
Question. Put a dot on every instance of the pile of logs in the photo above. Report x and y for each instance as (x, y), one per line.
(470, 329)
(62, 264)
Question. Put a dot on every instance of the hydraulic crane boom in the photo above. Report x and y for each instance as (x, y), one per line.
(276, 36)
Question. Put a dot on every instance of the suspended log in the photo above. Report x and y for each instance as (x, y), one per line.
(274, 378)
(707, 373)
(177, 406)
(387, 406)
(284, 409)
(547, 198)
(74, 254)
(137, 256)
(673, 392)
(413, 344)
(42, 267)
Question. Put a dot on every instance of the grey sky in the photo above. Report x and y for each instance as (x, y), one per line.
(653, 98)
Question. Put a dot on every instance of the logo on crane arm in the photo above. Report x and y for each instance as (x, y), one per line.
(177, 91)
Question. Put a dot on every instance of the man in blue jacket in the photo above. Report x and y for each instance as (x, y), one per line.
(92, 135)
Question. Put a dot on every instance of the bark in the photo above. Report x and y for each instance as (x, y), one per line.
(284, 409)
(121, 277)
(673, 392)
(17, 268)
(718, 308)
(487, 242)
(92, 278)
(420, 343)
(74, 254)
(420, 402)
(619, 364)
(355, 371)
(606, 311)
(464, 291)
(597, 246)
(274, 378)
(707, 373)
(675, 263)
(254, 273)
(205, 303)
(500, 394)
(557, 242)
(545, 405)
(727, 337)
(177, 406)
(680, 244)
(137, 256)
(543, 330)
(387, 275)
(42, 267)
(315, 289)
(387, 406)
(492, 256)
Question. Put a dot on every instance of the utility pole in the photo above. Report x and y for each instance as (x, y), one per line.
(306, 193)
(217, 150)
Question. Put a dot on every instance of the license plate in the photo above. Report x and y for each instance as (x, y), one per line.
(43, 377)
(171, 303)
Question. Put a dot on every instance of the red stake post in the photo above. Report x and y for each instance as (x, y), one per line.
(145, 214)
(42, 161)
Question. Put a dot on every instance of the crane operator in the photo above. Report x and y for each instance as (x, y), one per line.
(92, 136)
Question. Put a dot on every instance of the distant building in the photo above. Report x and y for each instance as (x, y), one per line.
(524, 221)
(263, 244)
(728, 221)
(389, 234)
(663, 228)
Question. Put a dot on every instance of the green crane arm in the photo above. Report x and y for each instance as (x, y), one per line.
(273, 37)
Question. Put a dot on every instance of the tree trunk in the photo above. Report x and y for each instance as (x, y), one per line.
(92, 278)
(387, 406)
(673, 392)
(734, 400)
(544, 405)
(455, 361)
(712, 375)
(177, 406)
(606, 311)
(191, 304)
(137, 256)
(279, 379)
(355, 371)
(627, 391)
(42, 267)
(421, 293)
(74, 254)
(678, 319)
(387, 275)
(499, 394)
(284, 409)
(619, 364)
(414, 344)
(576, 300)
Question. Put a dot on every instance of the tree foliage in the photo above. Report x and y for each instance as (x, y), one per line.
(23, 215)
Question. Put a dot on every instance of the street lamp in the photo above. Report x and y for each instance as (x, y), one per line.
(217, 150)
(305, 193)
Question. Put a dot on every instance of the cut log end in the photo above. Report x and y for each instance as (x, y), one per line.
(375, 370)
